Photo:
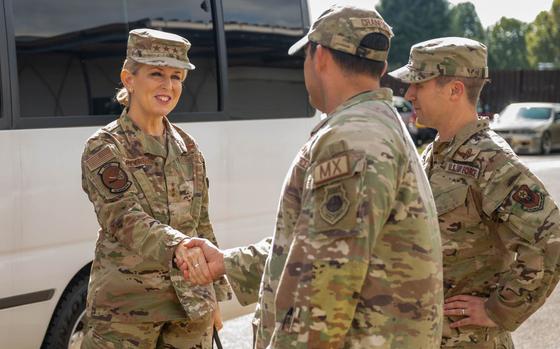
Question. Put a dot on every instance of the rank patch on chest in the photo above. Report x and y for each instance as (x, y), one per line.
(335, 204)
(530, 200)
(331, 169)
(462, 169)
(114, 177)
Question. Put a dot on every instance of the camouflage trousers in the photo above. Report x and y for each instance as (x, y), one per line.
(177, 334)
(481, 338)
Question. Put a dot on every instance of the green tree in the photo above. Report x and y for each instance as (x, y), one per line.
(464, 21)
(543, 37)
(413, 21)
(506, 45)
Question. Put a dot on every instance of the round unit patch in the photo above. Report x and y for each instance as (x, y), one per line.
(114, 177)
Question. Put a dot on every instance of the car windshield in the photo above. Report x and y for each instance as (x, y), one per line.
(532, 113)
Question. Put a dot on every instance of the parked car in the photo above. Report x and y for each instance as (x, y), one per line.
(530, 127)
(407, 114)
(420, 134)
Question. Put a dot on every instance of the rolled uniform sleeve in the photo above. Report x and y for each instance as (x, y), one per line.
(329, 257)
(110, 187)
(244, 269)
(528, 224)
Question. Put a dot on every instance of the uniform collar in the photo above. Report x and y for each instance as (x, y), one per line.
(380, 94)
(142, 143)
(462, 136)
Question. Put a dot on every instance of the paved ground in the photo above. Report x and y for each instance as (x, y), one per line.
(540, 331)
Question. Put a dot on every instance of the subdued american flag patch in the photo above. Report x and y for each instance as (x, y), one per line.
(99, 158)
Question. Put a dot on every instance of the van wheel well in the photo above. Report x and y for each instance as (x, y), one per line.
(68, 312)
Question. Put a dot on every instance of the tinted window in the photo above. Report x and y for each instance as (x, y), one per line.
(69, 52)
(264, 82)
(534, 113)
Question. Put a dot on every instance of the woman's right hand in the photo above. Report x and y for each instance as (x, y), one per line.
(192, 260)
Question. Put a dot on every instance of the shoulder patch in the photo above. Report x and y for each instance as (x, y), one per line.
(335, 204)
(331, 169)
(530, 200)
(99, 158)
(462, 169)
(114, 178)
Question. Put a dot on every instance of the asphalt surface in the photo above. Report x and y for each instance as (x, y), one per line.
(540, 331)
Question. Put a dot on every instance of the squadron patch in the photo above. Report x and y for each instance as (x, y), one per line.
(531, 201)
(335, 204)
(114, 177)
(462, 169)
(331, 169)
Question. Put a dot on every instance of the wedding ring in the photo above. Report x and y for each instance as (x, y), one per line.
(463, 311)
(196, 266)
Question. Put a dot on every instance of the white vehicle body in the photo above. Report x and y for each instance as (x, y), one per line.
(48, 227)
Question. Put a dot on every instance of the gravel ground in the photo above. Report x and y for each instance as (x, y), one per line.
(237, 333)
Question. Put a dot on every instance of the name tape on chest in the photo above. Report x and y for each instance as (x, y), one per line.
(331, 169)
(138, 162)
(462, 169)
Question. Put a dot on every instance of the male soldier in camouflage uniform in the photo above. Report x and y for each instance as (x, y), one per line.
(149, 198)
(500, 228)
(354, 261)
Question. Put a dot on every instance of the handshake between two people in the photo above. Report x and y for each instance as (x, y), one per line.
(200, 261)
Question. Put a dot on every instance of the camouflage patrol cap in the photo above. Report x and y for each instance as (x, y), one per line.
(451, 56)
(154, 47)
(342, 28)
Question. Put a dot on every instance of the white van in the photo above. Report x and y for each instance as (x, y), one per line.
(245, 104)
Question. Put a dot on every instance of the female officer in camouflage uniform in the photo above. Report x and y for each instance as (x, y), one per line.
(146, 179)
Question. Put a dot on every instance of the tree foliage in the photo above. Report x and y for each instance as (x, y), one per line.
(512, 44)
(543, 37)
(413, 21)
(506, 45)
(464, 22)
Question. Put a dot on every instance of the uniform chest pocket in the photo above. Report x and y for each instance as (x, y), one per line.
(451, 199)
(148, 192)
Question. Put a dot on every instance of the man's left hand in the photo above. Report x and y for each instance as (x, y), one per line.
(471, 307)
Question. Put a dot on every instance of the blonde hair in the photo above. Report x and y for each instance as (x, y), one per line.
(123, 95)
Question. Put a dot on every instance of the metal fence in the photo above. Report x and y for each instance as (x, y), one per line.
(505, 87)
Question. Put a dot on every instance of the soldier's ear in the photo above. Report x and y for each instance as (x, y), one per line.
(321, 56)
(457, 89)
(127, 79)
(384, 69)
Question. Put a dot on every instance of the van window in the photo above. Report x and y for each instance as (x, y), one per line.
(264, 81)
(69, 53)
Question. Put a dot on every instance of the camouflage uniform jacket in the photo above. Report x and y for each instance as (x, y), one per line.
(147, 199)
(500, 232)
(355, 261)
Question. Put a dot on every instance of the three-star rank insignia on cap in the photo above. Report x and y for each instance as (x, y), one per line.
(531, 201)
(335, 203)
(114, 177)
